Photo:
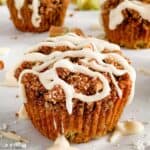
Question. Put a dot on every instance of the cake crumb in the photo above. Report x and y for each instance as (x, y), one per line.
(77, 31)
(146, 122)
(17, 96)
(14, 37)
(71, 15)
(58, 31)
(1, 65)
(144, 71)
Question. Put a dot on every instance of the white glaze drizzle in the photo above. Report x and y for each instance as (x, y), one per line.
(35, 18)
(116, 17)
(49, 78)
(61, 143)
(19, 4)
(54, 123)
(126, 128)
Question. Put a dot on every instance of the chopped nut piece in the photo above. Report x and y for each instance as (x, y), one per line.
(71, 15)
(57, 31)
(78, 31)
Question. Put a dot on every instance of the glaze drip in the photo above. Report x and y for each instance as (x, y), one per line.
(35, 18)
(116, 17)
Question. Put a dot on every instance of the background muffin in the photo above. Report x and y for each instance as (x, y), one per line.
(124, 23)
(78, 93)
(37, 15)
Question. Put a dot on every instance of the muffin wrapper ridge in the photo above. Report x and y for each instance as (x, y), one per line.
(83, 125)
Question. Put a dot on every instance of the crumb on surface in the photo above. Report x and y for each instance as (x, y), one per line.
(1, 65)
(77, 31)
(17, 96)
(71, 15)
(56, 31)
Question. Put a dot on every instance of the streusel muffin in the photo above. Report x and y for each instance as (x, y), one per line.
(127, 22)
(79, 92)
(37, 15)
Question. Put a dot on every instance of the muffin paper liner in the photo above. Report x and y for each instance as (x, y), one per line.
(82, 125)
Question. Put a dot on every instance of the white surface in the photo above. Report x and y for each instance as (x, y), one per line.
(18, 42)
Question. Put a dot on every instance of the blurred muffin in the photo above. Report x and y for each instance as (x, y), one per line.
(127, 22)
(79, 92)
(37, 15)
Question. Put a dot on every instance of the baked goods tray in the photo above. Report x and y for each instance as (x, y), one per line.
(18, 42)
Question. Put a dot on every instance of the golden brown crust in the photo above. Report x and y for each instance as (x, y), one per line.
(133, 32)
(88, 121)
(51, 14)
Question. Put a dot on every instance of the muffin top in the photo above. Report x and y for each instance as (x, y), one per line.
(121, 9)
(91, 63)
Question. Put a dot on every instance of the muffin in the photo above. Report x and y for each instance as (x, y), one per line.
(37, 15)
(80, 91)
(127, 22)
